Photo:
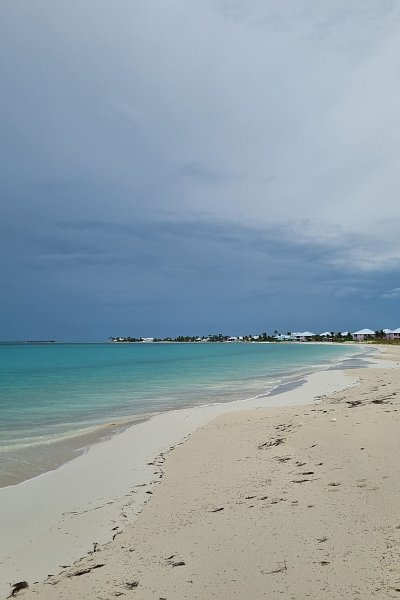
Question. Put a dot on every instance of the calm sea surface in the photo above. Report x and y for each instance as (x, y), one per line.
(53, 394)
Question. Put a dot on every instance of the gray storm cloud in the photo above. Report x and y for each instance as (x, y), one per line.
(277, 119)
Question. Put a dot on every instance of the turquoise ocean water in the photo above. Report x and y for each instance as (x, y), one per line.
(52, 395)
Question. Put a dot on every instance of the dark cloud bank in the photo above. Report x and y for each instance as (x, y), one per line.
(91, 279)
(198, 166)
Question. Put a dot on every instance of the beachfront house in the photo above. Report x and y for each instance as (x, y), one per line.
(304, 336)
(326, 335)
(363, 335)
(392, 334)
(280, 337)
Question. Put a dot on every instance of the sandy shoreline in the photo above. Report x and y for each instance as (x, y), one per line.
(50, 521)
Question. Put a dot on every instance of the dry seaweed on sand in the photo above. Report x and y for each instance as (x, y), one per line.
(85, 571)
(276, 442)
(17, 587)
(353, 403)
(281, 569)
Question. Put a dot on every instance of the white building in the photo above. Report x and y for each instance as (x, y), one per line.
(280, 337)
(393, 334)
(303, 336)
(363, 334)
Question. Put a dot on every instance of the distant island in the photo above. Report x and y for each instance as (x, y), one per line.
(5, 342)
(40, 341)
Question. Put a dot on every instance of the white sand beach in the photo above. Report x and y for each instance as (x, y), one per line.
(292, 495)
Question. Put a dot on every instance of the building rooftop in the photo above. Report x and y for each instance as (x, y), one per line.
(364, 332)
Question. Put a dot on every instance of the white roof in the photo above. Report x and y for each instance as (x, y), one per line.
(394, 330)
(387, 331)
(325, 333)
(345, 333)
(302, 334)
(364, 332)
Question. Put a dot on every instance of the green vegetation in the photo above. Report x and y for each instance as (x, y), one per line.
(219, 337)
(276, 337)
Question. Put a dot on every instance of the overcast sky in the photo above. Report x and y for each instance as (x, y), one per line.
(198, 166)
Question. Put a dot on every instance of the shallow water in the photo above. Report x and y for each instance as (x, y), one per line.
(57, 398)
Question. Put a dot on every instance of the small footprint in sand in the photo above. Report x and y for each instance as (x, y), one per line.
(333, 485)
(363, 483)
